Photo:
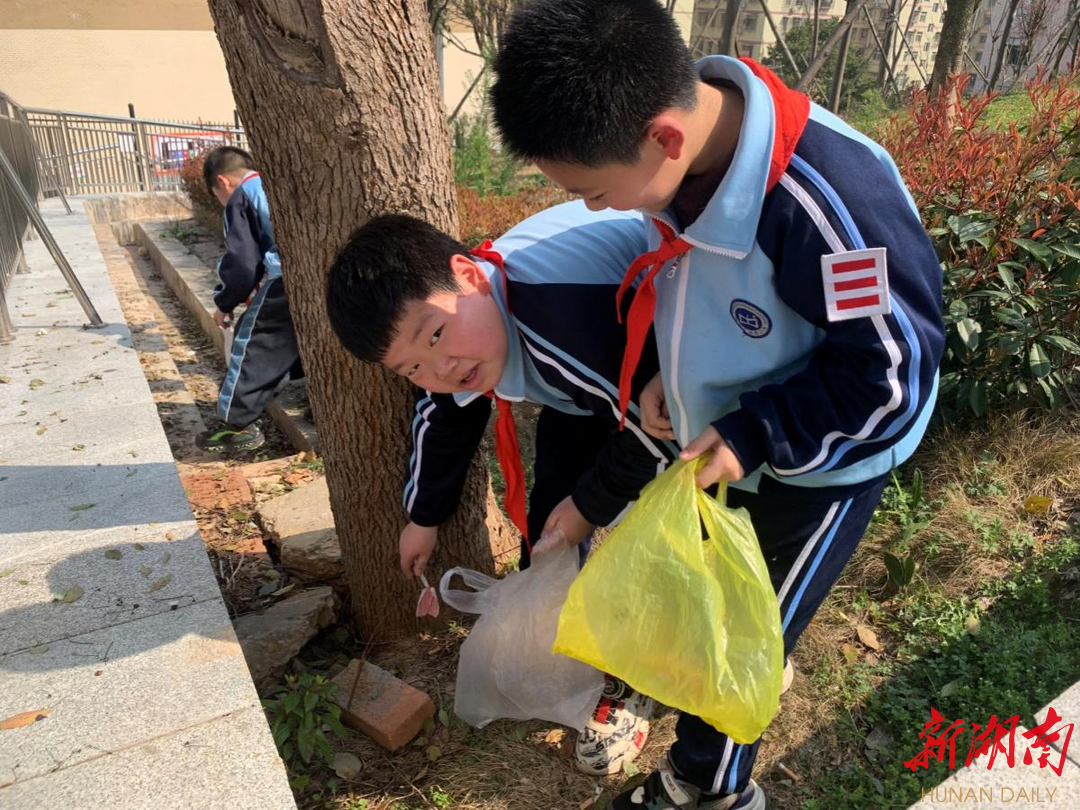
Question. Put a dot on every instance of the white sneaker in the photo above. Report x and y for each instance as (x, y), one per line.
(616, 732)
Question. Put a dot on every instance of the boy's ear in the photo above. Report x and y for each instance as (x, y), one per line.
(668, 132)
(469, 275)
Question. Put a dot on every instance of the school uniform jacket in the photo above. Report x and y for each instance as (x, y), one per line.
(251, 252)
(564, 266)
(816, 360)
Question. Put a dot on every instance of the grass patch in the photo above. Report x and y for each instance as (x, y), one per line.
(989, 625)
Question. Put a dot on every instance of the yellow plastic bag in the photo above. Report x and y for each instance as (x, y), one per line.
(694, 624)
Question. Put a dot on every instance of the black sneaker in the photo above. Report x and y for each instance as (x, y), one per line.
(231, 441)
(664, 791)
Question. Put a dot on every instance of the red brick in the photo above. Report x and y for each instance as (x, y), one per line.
(211, 490)
(384, 707)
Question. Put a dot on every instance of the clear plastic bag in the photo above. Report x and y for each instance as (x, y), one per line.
(507, 668)
(692, 623)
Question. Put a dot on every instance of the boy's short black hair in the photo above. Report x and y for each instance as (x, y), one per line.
(388, 262)
(579, 81)
(225, 160)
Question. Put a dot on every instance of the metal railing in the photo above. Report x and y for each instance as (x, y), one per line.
(16, 143)
(88, 153)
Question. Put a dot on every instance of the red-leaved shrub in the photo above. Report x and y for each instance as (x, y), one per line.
(204, 205)
(1003, 208)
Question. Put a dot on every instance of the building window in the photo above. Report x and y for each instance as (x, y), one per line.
(749, 22)
(982, 39)
(926, 46)
(922, 17)
(935, 7)
(918, 36)
(931, 28)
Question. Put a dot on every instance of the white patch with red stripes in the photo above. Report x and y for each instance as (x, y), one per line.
(856, 284)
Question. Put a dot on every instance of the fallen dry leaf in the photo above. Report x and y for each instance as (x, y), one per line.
(851, 653)
(554, 737)
(145, 570)
(74, 594)
(41, 430)
(161, 583)
(23, 719)
(36, 383)
(113, 554)
(1038, 505)
(347, 765)
(868, 637)
(5, 380)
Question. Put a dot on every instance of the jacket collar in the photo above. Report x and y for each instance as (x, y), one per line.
(774, 117)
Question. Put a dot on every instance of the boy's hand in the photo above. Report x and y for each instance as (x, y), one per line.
(415, 546)
(724, 464)
(654, 414)
(569, 522)
(222, 319)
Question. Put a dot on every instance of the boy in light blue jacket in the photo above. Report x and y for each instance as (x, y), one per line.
(795, 295)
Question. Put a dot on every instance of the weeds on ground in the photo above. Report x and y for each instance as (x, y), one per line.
(301, 713)
(987, 624)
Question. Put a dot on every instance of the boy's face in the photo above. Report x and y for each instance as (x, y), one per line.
(452, 342)
(649, 183)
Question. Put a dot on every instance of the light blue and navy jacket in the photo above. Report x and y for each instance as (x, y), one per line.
(251, 253)
(742, 328)
(565, 350)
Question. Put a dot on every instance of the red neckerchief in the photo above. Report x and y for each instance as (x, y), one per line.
(507, 448)
(791, 111)
(643, 307)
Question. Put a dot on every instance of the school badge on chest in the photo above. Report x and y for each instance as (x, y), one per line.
(856, 284)
(750, 318)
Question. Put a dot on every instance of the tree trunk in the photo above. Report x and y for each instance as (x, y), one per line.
(885, 70)
(727, 32)
(1003, 47)
(955, 26)
(340, 102)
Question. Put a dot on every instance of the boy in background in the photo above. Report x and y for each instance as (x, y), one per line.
(263, 350)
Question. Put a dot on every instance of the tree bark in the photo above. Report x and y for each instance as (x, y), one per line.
(340, 100)
(1003, 47)
(955, 25)
(727, 32)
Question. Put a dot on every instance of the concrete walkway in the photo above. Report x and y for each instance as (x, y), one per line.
(112, 628)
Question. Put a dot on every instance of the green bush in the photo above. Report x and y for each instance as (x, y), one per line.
(301, 712)
(1003, 207)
